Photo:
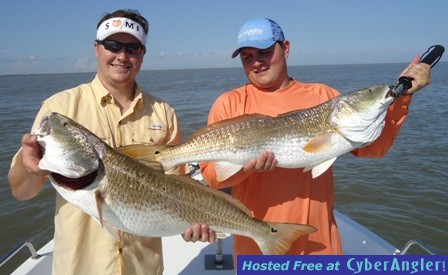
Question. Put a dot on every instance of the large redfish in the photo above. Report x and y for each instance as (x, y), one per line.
(125, 194)
(310, 138)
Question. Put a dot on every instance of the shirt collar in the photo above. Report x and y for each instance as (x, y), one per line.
(103, 96)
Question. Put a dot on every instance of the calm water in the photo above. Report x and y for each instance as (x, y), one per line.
(402, 196)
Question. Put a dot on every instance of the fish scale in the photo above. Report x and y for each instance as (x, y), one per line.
(310, 138)
(127, 195)
(224, 145)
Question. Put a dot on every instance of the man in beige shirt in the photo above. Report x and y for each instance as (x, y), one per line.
(115, 108)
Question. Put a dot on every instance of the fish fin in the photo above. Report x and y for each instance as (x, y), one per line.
(320, 168)
(108, 227)
(281, 236)
(99, 202)
(320, 144)
(291, 112)
(185, 179)
(225, 170)
(144, 153)
(226, 122)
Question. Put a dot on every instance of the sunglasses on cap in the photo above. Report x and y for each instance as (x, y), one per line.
(115, 46)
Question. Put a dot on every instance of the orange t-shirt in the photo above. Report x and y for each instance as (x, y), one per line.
(290, 195)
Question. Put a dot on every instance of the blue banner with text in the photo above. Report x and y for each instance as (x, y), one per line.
(355, 264)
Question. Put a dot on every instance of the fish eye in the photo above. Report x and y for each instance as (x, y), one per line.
(64, 124)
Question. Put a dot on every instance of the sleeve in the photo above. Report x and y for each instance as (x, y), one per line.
(226, 106)
(395, 117)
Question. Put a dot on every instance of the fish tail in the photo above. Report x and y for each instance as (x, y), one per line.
(281, 237)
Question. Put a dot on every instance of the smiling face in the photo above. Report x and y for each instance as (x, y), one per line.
(266, 68)
(120, 68)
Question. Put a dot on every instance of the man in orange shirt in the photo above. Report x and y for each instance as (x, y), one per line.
(290, 195)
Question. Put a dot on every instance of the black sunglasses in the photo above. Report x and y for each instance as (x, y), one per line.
(115, 46)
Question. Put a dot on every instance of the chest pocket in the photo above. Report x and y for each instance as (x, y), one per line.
(151, 133)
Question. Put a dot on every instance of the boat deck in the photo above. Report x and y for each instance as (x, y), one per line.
(182, 257)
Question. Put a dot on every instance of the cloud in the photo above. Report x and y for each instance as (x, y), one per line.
(24, 62)
(85, 64)
(211, 54)
(29, 59)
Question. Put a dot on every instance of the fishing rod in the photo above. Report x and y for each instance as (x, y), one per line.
(430, 57)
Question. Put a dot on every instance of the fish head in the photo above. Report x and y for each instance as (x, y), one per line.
(359, 116)
(66, 148)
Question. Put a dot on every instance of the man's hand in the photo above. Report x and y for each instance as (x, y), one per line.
(419, 73)
(31, 155)
(264, 162)
(199, 232)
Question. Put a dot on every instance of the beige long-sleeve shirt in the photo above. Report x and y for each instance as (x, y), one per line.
(82, 246)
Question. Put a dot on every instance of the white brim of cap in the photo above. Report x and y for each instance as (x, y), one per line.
(109, 33)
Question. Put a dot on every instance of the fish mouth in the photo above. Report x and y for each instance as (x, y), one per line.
(386, 101)
(43, 131)
(74, 184)
(44, 128)
(81, 182)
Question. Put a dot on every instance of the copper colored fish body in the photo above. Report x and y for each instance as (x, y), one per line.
(126, 195)
(311, 138)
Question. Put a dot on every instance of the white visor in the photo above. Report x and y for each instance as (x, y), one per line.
(121, 25)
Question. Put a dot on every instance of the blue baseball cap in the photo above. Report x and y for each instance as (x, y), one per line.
(260, 33)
